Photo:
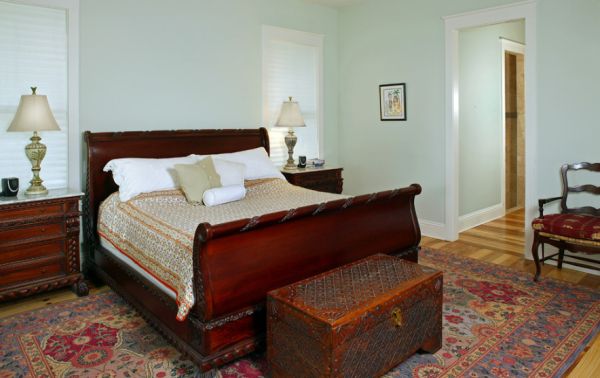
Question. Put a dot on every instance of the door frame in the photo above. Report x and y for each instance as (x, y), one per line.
(524, 10)
(506, 45)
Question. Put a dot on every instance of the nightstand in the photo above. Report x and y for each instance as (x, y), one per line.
(39, 244)
(323, 179)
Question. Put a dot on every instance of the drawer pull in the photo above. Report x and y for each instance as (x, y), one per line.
(397, 317)
(43, 270)
(43, 229)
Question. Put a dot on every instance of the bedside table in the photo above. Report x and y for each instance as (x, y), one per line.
(323, 179)
(39, 244)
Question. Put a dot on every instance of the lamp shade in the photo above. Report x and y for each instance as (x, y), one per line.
(33, 114)
(290, 115)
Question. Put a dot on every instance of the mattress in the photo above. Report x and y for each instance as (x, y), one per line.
(114, 251)
(154, 232)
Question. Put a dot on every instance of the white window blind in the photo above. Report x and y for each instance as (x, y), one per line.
(33, 53)
(292, 66)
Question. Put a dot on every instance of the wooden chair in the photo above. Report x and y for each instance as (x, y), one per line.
(573, 229)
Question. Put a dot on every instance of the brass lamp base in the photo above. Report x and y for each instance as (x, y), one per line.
(35, 152)
(290, 142)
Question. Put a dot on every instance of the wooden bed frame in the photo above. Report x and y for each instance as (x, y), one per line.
(240, 261)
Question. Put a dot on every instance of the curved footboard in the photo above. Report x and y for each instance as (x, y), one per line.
(237, 263)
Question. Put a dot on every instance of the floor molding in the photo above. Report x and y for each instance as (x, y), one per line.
(480, 217)
(433, 229)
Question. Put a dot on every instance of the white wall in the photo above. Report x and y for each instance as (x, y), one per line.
(387, 41)
(159, 64)
(392, 41)
(568, 80)
(481, 120)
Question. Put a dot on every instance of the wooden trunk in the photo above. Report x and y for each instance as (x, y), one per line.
(359, 320)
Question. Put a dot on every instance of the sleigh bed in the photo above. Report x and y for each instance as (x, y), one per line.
(237, 262)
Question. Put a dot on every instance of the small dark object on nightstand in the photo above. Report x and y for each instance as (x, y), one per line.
(10, 187)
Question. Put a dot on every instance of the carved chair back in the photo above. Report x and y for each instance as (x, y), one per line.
(586, 188)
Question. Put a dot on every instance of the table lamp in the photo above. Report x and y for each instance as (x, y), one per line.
(34, 114)
(290, 117)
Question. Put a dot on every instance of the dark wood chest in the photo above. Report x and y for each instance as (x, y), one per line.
(359, 320)
(39, 246)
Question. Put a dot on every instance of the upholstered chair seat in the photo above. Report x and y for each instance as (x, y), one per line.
(575, 228)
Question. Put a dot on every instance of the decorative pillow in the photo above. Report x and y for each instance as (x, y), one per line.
(257, 162)
(224, 194)
(207, 164)
(231, 173)
(136, 176)
(197, 178)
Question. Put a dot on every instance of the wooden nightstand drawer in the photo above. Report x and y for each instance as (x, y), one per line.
(39, 244)
(32, 270)
(37, 231)
(321, 179)
(312, 175)
(34, 251)
(33, 211)
(323, 186)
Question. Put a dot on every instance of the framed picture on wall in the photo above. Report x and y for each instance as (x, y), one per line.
(392, 102)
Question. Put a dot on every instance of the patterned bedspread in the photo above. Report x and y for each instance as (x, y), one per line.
(156, 230)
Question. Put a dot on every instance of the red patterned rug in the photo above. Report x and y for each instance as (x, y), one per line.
(496, 323)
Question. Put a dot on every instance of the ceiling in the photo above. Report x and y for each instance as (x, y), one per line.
(334, 3)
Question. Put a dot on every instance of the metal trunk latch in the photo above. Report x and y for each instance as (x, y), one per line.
(397, 317)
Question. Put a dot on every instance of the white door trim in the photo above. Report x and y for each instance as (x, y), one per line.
(523, 10)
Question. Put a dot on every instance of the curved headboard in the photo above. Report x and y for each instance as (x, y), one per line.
(103, 147)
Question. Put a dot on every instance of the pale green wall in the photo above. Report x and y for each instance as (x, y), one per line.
(391, 41)
(403, 41)
(165, 65)
(480, 122)
(160, 64)
(568, 81)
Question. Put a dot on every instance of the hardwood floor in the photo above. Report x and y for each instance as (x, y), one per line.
(43, 299)
(500, 241)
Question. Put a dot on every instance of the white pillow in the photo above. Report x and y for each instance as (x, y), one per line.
(231, 173)
(136, 176)
(224, 194)
(257, 162)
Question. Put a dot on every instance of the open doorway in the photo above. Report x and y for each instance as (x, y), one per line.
(491, 149)
(453, 24)
(514, 124)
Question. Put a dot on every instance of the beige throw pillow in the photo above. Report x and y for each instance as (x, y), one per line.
(209, 167)
(197, 178)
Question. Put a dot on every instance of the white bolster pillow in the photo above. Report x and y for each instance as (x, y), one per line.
(224, 194)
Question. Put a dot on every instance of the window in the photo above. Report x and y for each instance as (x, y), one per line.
(36, 51)
(293, 66)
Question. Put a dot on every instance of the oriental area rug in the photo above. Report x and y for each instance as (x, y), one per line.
(497, 322)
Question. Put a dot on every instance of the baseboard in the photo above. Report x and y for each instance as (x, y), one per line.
(433, 229)
(478, 217)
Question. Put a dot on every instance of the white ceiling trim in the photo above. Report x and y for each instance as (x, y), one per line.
(335, 3)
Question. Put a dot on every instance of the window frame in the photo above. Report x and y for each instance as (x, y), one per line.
(270, 33)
